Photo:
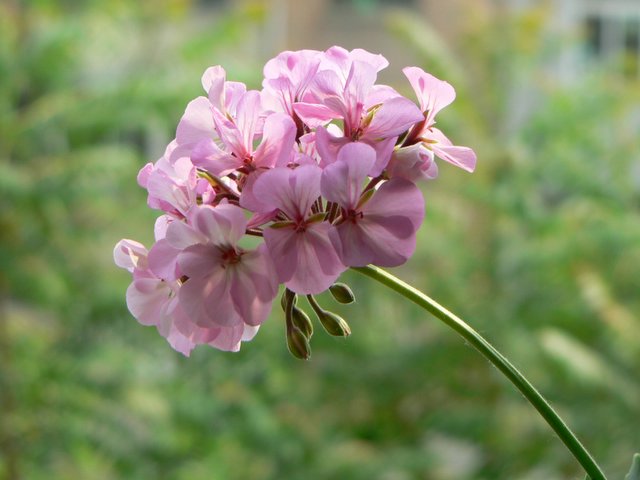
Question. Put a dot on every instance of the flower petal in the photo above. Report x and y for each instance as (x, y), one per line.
(308, 258)
(413, 163)
(222, 225)
(253, 287)
(291, 191)
(207, 301)
(395, 116)
(433, 94)
(278, 137)
(147, 300)
(129, 254)
(197, 123)
(213, 81)
(385, 235)
(462, 157)
(342, 181)
(200, 261)
(163, 258)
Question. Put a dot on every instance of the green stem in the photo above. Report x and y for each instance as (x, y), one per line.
(496, 358)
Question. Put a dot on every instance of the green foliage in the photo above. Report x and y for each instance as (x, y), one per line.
(538, 249)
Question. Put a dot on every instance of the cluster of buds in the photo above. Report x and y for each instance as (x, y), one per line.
(292, 185)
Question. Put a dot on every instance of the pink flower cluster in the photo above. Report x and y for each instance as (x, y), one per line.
(292, 185)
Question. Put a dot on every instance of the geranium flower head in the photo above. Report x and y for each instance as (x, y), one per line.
(318, 168)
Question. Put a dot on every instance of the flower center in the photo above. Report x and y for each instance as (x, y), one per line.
(230, 256)
(353, 216)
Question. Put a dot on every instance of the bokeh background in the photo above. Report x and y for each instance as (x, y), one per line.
(539, 249)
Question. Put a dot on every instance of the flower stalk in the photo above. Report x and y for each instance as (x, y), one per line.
(497, 359)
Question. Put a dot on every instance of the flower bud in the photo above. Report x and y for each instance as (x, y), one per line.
(301, 320)
(342, 293)
(334, 324)
(285, 296)
(298, 343)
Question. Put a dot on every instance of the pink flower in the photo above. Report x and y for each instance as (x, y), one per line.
(379, 229)
(289, 164)
(287, 78)
(239, 134)
(227, 286)
(375, 115)
(433, 95)
(196, 130)
(173, 186)
(304, 257)
(151, 300)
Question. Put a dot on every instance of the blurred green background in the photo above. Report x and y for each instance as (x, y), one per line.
(539, 250)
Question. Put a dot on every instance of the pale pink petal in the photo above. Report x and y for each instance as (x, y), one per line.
(180, 235)
(129, 254)
(163, 260)
(342, 181)
(395, 116)
(385, 235)
(199, 261)
(143, 175)
(259, 219)
(231, 136)
(196, 123)
(299, 66)
(352, 244)
(384, 149)
(248, 198)
(379, 94)
(207, 301)
(175, 195)
(278, 137)
(160, 226)
(248, 117)
(213, 81)
(210, 157)
(179, 342)
(377, 61)
(433, 94)
(372, 242)
(282, 248)
(328, 145)
(307, 262)
(147, 300)
(413, 163)
(233, 92)
(337, 59)
(462, 157)
(228, 338)
(253, 287)
(327, 84)
(291, 191)
(249, 332)
(190, 330)
(397, 198)
(314, 114)
(278, 95)
(361, 78)
(222, 225)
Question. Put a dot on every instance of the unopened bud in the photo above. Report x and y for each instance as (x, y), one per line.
(301, 320)
(298, 343)
(334, 324)
(284, 298)
(342, 293)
